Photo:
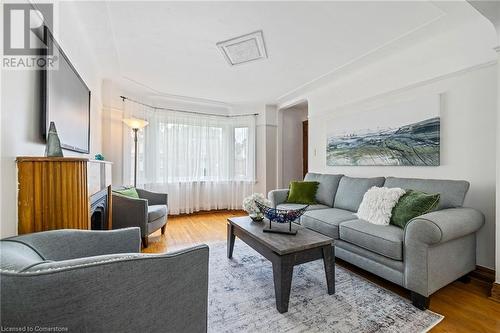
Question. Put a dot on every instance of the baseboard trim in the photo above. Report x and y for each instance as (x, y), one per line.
(483, 274)
(495, 292)
(212, 211)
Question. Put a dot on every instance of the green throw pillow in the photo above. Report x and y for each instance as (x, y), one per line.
(302, 193)
(128, 192)
(413, 204)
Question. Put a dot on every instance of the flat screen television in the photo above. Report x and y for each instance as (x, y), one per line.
(65, 100)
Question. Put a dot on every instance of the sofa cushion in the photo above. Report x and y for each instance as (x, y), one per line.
(302, 193)
(351, 190)
(326, 221)
(384, 240)
(364, 255)
(328, 185)
(289, 206)
(130, 192)
(452, 192)
(156, 211)
(413, 204)
(378, 204)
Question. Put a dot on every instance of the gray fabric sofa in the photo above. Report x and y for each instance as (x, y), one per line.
(433, 250)
(97, 281)
(149, 212)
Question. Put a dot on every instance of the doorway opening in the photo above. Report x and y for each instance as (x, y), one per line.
(294, 137)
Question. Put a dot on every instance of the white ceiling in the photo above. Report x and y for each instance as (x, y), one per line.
(171, 46)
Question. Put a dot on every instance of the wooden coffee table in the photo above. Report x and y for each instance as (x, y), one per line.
(284, 252)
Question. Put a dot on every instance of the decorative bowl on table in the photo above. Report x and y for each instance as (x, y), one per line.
(281, 216)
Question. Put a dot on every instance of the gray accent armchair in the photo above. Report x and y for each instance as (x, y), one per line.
(149, 212)
(97, 281)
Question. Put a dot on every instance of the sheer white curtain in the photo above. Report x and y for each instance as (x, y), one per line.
(203, 162)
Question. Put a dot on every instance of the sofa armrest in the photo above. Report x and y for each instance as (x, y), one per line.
(440, 247)
(130, 212)
(67, 244)
(444, 225)
(129, 293)
(278, 196)
(153, 198)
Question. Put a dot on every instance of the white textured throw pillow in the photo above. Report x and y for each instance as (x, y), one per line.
(378, 203)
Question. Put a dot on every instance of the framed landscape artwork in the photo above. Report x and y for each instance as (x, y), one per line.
(403, 134)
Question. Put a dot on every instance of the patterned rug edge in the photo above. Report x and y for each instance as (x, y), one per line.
(427, 329)
(431, 326)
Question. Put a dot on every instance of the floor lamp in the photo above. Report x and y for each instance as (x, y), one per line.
(135, 124)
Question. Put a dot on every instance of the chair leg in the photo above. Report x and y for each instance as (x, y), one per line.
(419, 301)
(145, 241)
(163, 229)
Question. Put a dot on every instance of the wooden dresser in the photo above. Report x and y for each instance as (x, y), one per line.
(63, 193)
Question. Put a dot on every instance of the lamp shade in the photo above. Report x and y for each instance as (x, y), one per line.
(135, 123)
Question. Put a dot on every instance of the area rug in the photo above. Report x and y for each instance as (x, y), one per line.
(241, 299)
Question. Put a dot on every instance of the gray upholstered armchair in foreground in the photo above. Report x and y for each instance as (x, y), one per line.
(148, 212)
(97, 281)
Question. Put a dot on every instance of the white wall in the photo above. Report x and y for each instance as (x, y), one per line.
(260, 153)
(266, 145)
(468, 140)
(291, 144)
(491, 10)
(20, 116)
(497, 266)
(271, 146)
(113, 127)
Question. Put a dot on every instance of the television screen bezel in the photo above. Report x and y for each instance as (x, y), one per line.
(51, 42)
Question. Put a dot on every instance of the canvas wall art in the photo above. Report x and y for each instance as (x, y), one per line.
(402, 134)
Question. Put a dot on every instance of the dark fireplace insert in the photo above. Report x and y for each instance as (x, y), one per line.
(99, 210)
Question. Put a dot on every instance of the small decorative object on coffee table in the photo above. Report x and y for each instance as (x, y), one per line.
(281, 216)
(250, 206)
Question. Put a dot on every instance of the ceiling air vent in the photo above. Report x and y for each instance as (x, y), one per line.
(244, 49)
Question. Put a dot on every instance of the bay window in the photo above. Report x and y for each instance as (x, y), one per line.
(203, 162)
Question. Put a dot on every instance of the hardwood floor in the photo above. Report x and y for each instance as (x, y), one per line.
(466, 306)
(188, 230)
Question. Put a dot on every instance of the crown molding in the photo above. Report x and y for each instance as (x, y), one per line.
(160, 95)
(395, 92)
